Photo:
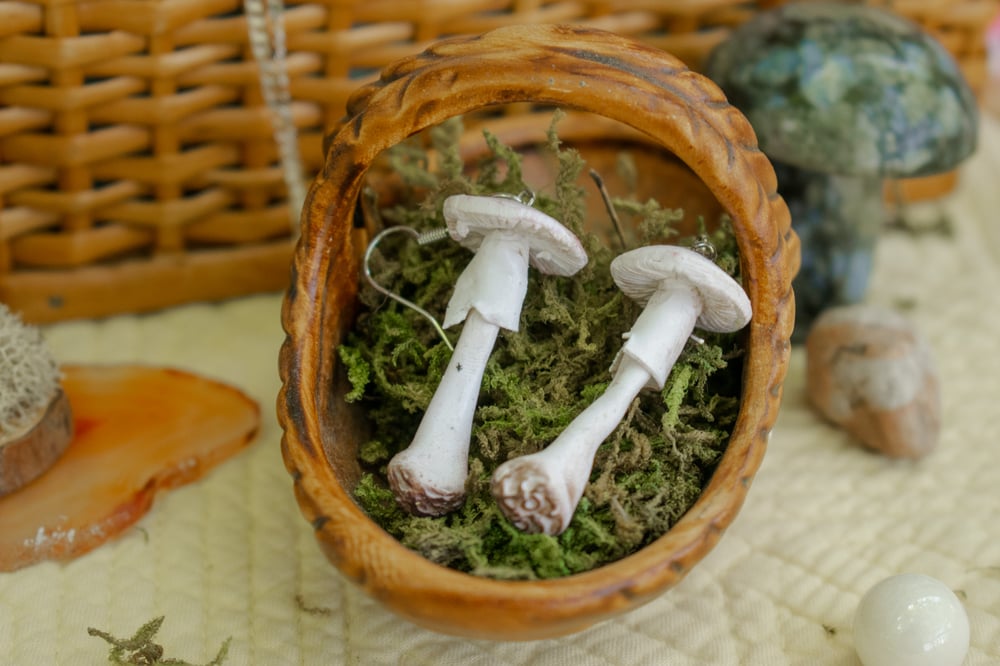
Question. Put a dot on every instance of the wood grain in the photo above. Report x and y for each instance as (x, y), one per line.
(26, 457)
(137, 431)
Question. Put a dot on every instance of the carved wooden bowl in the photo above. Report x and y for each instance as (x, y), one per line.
(570, 68)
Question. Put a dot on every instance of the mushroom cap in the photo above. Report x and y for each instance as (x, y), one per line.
(553, 249)
(640, 272)
(848, 89)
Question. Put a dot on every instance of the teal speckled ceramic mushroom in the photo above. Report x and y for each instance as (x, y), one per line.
(842, 96)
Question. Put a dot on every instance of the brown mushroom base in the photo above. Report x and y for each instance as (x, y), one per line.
(26, 457)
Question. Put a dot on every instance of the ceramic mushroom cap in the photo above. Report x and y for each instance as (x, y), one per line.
(495, 286)
(554, 249)
(848, 89)
(640, 272)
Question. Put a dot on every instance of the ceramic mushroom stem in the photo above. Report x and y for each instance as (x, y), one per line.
(428, 477)
(680, 290)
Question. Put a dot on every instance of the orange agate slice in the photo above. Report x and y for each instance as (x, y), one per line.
(138, 430)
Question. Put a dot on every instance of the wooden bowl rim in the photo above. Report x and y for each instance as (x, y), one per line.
(575, 68)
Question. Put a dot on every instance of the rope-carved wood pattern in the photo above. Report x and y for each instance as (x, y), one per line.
(571, 68)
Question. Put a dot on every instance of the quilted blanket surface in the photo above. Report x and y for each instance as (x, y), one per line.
(230, 556)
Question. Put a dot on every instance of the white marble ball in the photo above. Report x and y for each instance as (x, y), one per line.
(911, 620)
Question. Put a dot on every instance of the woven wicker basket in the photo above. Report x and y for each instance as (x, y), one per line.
(137, 163)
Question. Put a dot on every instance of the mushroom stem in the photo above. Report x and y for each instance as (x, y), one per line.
(838, 219)
(660, 332)
(539, 492)
(428, 477)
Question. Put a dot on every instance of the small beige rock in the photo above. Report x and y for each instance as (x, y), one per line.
(872, 373)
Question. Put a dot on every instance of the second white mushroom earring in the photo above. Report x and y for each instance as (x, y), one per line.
(680, 289)
(428, 477)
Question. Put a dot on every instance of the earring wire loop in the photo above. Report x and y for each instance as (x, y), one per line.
(422, 239)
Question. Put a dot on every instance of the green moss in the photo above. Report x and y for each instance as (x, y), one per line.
(647, 473)
(140, 649)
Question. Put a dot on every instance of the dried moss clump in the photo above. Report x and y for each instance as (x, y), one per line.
(29, 375)
(140, 649)
(647, 473)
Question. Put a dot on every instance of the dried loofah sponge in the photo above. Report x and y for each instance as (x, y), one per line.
(29, 375)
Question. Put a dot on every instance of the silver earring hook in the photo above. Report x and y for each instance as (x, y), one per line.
(422, 239)
(527, 197)
(703, 246)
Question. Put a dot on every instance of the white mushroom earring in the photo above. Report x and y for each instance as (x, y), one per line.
(679, 288)
(428, 477)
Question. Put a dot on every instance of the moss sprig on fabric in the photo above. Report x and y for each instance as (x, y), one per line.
(646, 474)
(141, 650)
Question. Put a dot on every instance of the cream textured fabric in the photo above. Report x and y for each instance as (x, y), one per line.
(825, 520)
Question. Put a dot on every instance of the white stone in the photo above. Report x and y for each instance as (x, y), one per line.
(911, 620)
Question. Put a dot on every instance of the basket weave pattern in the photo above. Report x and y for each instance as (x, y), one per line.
(137, 162)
